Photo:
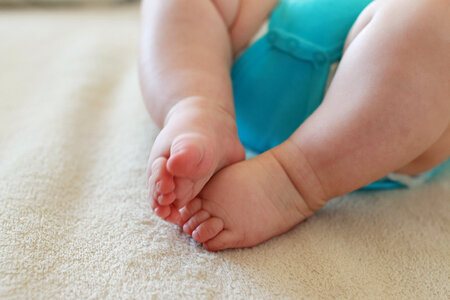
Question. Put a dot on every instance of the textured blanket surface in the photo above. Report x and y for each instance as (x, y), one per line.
(75, 221)
(58, 2)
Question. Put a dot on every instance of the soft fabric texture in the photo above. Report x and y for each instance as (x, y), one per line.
(280, 80)
(75, 221)
(58, 2)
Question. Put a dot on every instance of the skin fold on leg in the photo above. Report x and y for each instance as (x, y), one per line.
(185, 66)
(387, 106)
(440, 150)
(388, 103)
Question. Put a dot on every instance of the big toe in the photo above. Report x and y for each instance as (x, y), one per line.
(225, 239)
(208, 229)
(189, 210)
(190, 157)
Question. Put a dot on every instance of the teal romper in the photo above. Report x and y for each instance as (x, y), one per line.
(280, 80)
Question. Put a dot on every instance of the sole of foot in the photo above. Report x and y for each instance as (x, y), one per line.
(198, 139)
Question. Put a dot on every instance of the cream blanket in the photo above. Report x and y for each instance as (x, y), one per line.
(58, 2)
(75, 221)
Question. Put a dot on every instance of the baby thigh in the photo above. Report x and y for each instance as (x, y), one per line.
(388, 103)
(434, 16)
(435, 20)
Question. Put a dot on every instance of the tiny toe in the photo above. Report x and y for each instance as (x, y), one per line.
(165, 184)
(163, 211)
(183, 191)
(174, 216)
(224, 240)
(153, 203)
(157, 165)
(166, 199)
(153, 198)
(195, 220)
(158, 169)
(208, 230)
(189, 210)
(149, 170)
(161, 178)
(152, 193)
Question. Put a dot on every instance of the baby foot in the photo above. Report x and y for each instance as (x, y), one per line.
(245, 204)
(198, 139)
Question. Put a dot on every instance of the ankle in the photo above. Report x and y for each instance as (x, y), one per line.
(196, 104)
(302, 175)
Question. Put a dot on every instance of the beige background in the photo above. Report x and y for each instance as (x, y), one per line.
(59, 2)
(74, 217)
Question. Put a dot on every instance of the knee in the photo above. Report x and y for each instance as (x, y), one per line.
(324, 23)
(421, 19)
(417, 43)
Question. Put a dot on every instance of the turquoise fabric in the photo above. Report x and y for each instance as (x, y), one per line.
(404, 181)
(280, 80)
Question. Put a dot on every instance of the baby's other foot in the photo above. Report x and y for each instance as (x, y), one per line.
(198, 139)
(245, 204)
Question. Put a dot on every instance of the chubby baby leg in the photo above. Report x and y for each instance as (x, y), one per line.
(440, 150)
(185, 78)
(387, 105)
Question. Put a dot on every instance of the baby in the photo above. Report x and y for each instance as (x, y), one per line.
(387, 110)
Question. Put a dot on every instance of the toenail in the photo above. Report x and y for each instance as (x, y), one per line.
(186, 228)
(155, 165)
(158, 185)
(156, 195)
